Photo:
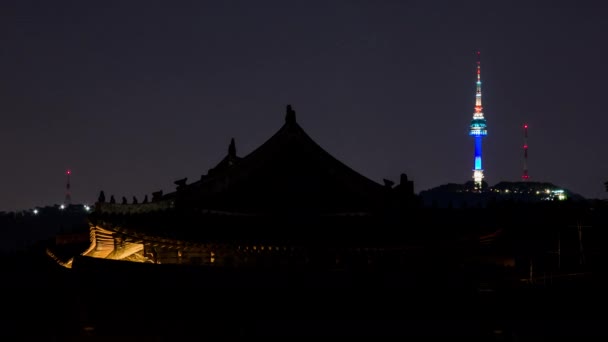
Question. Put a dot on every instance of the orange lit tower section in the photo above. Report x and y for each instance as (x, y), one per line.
(478, 130)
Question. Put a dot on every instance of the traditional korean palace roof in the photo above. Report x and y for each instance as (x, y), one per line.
(289, 175)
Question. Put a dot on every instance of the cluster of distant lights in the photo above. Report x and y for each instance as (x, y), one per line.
(86, 208)
(548, 194)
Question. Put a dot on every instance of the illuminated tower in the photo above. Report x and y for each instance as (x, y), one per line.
(524, 175)
(68, 197)
(478, 130)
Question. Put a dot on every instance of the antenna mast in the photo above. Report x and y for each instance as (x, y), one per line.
(525, 176)
(68, 197)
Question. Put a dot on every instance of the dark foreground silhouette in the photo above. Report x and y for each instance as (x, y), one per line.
(114, 300)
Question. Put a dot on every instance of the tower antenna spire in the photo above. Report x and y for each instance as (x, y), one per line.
(68, 196)
(524, 175)
(478, 130)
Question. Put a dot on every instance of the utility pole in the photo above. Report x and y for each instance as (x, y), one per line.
(579, 228)
(559, 251)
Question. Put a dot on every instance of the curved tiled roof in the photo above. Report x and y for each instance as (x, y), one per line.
(289, 172)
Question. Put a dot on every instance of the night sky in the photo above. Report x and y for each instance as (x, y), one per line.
(132, 95)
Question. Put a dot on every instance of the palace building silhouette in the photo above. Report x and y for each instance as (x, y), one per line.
(287, 203)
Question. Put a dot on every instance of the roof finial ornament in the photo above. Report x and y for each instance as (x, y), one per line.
(290, 116)
(232, 149)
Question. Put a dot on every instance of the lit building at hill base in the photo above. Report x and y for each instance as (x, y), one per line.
(465, 195)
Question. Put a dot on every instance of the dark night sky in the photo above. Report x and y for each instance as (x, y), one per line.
(132, 95)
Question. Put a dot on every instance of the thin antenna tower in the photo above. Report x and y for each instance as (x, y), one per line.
(68, 197)
(525, 176)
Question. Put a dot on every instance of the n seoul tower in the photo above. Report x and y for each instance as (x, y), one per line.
(478, 130)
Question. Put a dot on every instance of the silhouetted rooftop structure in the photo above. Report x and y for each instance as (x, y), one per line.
(288, 195)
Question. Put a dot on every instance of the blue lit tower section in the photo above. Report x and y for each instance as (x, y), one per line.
(478, 129)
